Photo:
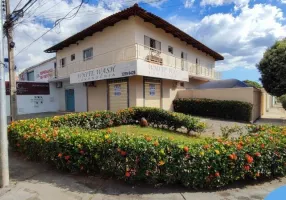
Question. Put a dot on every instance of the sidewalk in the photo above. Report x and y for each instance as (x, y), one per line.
(276, 115)
(35, 181)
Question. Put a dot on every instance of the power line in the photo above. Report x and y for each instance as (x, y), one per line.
(57, 22)
(17, 5)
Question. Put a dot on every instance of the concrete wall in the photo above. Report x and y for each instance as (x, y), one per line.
(193, 83)
(136, 91)
(170, 91)
(111, 38)
(250, 95)
(97, 96)
(28, 104)
(144, 28)
(80, 96)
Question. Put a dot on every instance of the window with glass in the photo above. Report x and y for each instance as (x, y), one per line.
(30, 76)
(150, 42)
(87, 54)
(63, 62)
(170, 49)
(72, 57)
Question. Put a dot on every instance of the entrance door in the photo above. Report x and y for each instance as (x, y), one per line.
(118, 94)
(152, 94)
(70, 100)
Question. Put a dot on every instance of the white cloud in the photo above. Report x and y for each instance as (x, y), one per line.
(283, 1)
(237, 3)
(243, 38)
(189, 3)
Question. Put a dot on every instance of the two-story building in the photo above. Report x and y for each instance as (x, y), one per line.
(131, 58)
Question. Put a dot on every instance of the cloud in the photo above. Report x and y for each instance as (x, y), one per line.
(237, 3)
(242, 38)
(189, 3)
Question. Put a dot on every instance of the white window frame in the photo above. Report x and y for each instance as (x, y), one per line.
(90, 56)
(147, 43)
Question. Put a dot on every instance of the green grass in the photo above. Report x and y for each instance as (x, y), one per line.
(134, 130)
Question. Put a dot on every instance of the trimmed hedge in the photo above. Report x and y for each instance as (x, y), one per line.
(232, 110)
(283, 101)
(155, 116)
(212, 163)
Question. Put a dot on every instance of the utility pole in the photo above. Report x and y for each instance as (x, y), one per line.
(12, 73)
(3, 117)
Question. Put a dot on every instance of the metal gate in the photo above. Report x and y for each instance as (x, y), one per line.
(152, 92)
(118, 94)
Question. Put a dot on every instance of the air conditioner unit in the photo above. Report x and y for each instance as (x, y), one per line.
(59, 84)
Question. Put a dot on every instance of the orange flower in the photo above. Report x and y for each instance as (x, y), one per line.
(156, 143)
(206, 146)
(109, 130)
(161, 163)
(17, 144)
(60, 155)
(67, 157)
(246, 167)
(127, 174)
(217, 174)
(257, 174)
(118, 150)
(257, 154)
(148, 138)
(81, 152)
(232, 156)
(239, 147)
(249, 159)
(186, 149)
(262, 145)
(123, 153)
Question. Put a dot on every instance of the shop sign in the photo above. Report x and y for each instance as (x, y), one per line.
(160, 71)
(108, 72)
(117, 90)
(30, 88)
(152, 89)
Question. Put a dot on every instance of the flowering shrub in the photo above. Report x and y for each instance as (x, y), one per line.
(234, 110)
(211, 163)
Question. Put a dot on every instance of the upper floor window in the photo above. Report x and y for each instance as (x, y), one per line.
(150, 42)
(170, 49)
(72, 57)
(87, 54)
(30, 76)
(63, 62)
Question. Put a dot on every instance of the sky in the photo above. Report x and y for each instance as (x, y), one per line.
(240, 30)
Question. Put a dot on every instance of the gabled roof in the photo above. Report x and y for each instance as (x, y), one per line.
(148, 17)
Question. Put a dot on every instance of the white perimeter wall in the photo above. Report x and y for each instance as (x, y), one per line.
(79, 93)
(28, 104)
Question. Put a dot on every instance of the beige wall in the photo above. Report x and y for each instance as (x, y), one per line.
(169, 93)
(250, 95)
(97, 96)
(111, 38)
(194, 82)
(136, 91)
(144, 28)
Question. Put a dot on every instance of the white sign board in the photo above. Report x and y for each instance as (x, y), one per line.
(159, 71)
(138, 67)
(102, 73)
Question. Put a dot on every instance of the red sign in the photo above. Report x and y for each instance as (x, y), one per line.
(30, 88)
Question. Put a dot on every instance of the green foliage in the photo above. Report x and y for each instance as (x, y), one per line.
(233, 110)
(252, 84)
(282, 99)
(155, 116)
(212, 163)
(273, 70)
(227, 131)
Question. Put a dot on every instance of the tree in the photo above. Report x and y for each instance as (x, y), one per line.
(252, 84)
(273, 69)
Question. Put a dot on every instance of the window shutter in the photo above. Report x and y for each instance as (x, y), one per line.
(146, 41)
(158, 45)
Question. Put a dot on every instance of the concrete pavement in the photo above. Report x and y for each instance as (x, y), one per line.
(36, 181)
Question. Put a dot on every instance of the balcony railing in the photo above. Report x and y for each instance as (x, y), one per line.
(134, 52)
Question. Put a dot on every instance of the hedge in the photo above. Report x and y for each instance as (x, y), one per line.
(156, 117)
(231, 110)
(283, 101)
(212, 163)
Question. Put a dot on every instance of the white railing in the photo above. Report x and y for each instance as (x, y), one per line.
(133, 52)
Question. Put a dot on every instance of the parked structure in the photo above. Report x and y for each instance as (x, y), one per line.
(131, 58)
(41, 72)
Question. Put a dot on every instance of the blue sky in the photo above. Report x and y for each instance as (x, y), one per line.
(240, 30)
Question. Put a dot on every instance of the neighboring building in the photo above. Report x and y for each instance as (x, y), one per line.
(227, 83)
(131, 58)
(41, 72)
